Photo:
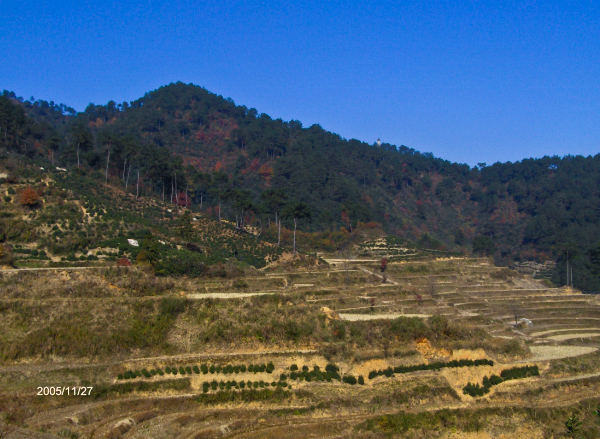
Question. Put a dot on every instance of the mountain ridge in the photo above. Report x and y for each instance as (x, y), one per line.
(182, 138)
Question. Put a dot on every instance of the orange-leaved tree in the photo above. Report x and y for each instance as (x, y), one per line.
(30, 197)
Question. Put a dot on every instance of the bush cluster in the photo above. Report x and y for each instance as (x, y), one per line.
(332, 372)
(205, 369)
(506, 375)
(249, 395)
(233, 384)
(389, 372)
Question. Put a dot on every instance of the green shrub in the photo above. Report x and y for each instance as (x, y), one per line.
(495, 380)
(205, 386)
(431, 366)
(332, 368)
(349, 379)
(361, 379)
(519, 372)
(196, 370)
(293, 367)
(167, 369)
(270, 367)
(475, 390)
(204, 369)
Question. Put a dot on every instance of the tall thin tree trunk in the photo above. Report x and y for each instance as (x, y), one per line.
(294, 235)
(107, 162)
(137, 189)
(279, 235)
(124, 166)
(171, 191)
(186, 196)
(163, 195)
(219, 209)
(127, 181)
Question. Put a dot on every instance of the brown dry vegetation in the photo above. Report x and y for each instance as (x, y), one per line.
(86, 327)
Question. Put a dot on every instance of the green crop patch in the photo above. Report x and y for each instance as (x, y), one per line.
(514, 373)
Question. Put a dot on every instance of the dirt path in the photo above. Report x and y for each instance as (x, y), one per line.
(576, 377)
(228, 295)
(378, 275)
(545, 353)
(563, 337)
(362, 317)
(16, 270)
(68, 365)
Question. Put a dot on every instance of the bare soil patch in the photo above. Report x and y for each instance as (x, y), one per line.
(364, 317)
(545, 353)
(563, 337)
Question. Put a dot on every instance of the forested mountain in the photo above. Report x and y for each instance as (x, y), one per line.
(181, 142)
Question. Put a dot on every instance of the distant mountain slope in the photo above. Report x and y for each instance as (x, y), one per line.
(182, 139)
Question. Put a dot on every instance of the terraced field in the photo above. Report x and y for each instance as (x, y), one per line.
(383, 331)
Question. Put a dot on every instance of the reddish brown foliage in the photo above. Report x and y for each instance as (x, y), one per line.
(123, 262)
(384, 263)
(30, 197)
(182, 199)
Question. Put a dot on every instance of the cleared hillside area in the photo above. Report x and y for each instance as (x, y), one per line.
(313, 347)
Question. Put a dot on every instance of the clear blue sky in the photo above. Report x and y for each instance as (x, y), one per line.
(478, 81)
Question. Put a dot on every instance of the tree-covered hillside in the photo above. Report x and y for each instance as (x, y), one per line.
(189, 147)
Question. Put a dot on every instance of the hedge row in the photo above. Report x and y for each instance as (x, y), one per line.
(331, 373)
(228, 385)
(251, 395)
(507, 374)
(389, 372)
(205, 369)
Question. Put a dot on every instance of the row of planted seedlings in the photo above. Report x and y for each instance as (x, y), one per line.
(514, 373)
(390, 371)
(332, 372)
(241, 385)
(203, 368)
